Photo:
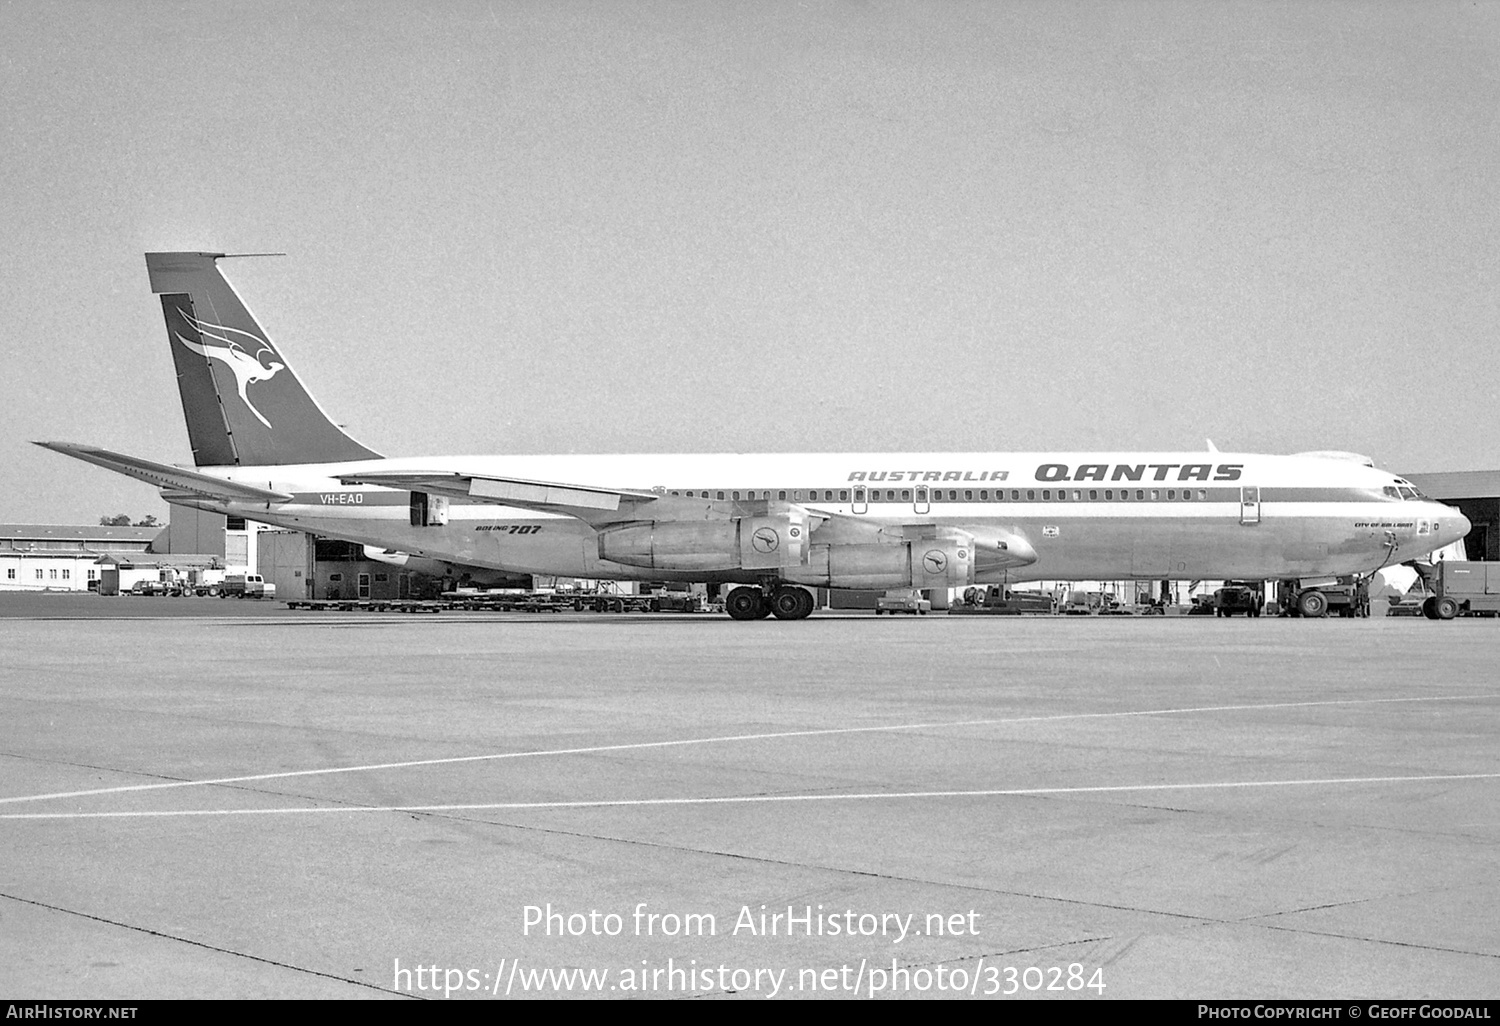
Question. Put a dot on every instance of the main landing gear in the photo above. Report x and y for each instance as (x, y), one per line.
(785, 601)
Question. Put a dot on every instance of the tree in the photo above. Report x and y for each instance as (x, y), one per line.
(149, 521)
(118, 520)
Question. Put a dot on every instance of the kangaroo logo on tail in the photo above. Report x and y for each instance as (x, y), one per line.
(218, 345)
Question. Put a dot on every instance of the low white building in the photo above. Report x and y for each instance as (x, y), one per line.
(49, 557)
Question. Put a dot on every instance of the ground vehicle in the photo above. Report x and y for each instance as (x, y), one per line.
(1460, 588)
(1317, 597)
(998, 600)
(246, 586)
(204, 581)
(904, 601)
(1238, 598)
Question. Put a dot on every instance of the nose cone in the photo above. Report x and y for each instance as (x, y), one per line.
(996, 548)
(1454, 525)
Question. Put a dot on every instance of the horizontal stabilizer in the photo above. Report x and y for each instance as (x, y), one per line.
(504, 491)
(166, 476)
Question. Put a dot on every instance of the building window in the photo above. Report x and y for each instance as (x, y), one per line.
(67, 575)
(39, 575)
(234, 523)
(10, 573)
(93, 574)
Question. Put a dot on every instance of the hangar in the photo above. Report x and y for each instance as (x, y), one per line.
(1476, 493)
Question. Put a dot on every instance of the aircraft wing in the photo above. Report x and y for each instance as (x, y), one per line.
(586, 502)
(164, 475)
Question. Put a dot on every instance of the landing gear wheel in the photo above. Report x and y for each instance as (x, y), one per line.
(744, 604)
(1312, 603)
(789, 603)
(1446, 608)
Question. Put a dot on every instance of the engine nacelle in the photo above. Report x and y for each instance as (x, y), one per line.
(769, 543)
(922, 563)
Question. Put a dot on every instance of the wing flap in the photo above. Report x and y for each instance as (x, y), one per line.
(166, 476)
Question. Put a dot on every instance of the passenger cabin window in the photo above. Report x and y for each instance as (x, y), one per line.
(721, 495)
(843, 495)
(1093, 495)
(906, 495)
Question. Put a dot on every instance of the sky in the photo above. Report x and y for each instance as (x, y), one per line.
(772, 227)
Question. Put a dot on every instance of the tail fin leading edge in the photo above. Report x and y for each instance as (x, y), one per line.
(243, 404)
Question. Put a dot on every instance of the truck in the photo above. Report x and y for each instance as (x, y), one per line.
(1319, 596)
(1238, 597)
(998, 600)
(246, 586)
(1460, 588)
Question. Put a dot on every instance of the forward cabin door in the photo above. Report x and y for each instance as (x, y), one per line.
(861, 502)
(1250, 505)
(920, 500)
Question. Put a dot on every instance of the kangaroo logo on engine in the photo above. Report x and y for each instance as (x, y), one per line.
(935, 562)
(765, 539)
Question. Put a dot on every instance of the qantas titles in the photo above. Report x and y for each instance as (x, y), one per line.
(1063, 472)
(1137, 471)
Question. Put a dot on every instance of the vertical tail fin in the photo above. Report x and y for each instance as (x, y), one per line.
(243, 404)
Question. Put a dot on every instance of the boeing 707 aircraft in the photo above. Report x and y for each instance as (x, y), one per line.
(772, 524)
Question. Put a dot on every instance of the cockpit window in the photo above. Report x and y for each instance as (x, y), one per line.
(1408, 492)
(1390, 492)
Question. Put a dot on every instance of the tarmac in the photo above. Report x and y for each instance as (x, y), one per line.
(207, 799)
